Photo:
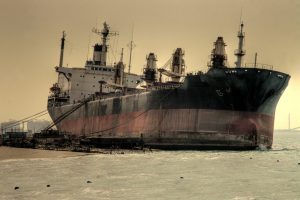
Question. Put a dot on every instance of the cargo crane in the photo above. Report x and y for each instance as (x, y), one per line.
(175, 66)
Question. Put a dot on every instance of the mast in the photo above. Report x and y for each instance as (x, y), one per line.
(240, 51)
(62, 47)
(255, 60)
(131, 45)
(122, 54)
(100, 50)
(104, 32)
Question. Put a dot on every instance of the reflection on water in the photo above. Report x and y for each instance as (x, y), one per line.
(271, 174)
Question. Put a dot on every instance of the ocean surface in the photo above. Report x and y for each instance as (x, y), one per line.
(260, 174)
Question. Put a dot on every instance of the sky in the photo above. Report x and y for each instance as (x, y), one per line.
(31, 31)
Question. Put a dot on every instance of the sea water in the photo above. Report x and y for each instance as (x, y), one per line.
(259, 174)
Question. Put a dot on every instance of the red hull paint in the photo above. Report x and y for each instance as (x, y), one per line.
(179, 126)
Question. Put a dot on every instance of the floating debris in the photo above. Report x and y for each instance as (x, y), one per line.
(17, 187)
(48, 185)
(89, 182)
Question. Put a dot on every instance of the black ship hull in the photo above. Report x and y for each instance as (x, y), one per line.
(222, 109)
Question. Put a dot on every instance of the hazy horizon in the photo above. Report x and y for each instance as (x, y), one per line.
(31, 31)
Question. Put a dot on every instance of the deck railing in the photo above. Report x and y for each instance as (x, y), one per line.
(258, 65)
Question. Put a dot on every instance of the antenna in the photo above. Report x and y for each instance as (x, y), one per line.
(131, 45)
(255, 60)
(105, 34)
(241, 15)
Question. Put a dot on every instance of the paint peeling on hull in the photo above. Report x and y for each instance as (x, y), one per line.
(193, 115)
(179, 127)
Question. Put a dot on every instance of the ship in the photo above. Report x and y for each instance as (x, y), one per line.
(167, 107)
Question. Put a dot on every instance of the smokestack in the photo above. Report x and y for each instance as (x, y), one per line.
(218, 55)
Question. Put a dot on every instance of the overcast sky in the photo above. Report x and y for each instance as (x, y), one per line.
(31, 30)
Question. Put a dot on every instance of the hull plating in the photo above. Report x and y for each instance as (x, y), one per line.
(181, 127)
(232, 108)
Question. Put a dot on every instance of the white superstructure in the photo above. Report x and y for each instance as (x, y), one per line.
(75, 84)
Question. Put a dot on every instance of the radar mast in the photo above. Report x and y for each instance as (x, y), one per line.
(240, 51)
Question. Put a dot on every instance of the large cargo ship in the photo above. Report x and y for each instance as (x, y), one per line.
(166, 107)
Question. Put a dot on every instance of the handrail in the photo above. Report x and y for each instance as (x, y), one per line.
(258, 65)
